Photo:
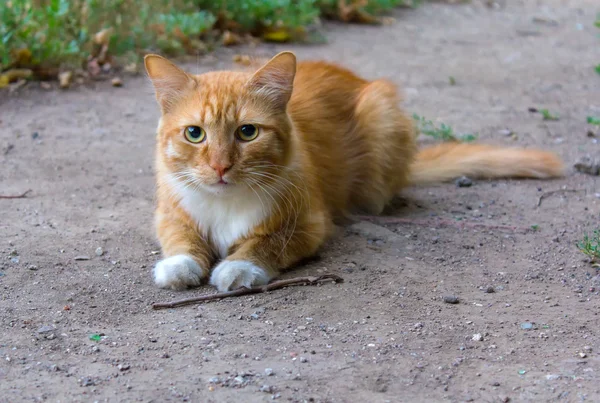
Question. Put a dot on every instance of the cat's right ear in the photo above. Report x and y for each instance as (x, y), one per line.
(169, 80)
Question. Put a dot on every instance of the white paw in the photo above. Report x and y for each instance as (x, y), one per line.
(232, 274)
(178, 273)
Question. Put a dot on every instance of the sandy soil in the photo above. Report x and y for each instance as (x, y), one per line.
(385, 334)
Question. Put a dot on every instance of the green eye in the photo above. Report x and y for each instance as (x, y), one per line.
(195, 134)
(247, 132)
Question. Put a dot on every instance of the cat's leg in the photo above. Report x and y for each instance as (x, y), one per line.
(187, 255)
(258, 259)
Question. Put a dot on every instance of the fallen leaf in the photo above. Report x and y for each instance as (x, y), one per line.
(116, 82)
(280, 35)
(95, 337)
(103, 37)
(13, 75)
(64, 80)
(229, 38)
(242, 59)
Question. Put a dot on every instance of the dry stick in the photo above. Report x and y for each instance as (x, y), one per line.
(21, 196)
(550, 193)
(446, 223)
(254, 290)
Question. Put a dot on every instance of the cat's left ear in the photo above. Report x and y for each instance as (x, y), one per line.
(275, 80)
(169, 80)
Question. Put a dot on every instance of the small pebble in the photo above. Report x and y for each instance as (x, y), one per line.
(82, 257)
(588, 166)
(526, 326)
(477, 337)
(45, 329)
(51, 336)
(99, 251)
(32, 267)
(303, 359)
(266, 389)
(116, 82)
(269, 371)
(463, 182)
(123, 367)
(582, 355)
(451, 299)
(490, 290)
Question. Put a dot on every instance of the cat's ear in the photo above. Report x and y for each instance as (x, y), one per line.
(275, 80)
(169, 80)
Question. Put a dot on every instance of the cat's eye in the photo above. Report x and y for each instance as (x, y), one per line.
(195, 134)
(246, 132)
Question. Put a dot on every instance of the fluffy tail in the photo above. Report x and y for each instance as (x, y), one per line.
(448, 161)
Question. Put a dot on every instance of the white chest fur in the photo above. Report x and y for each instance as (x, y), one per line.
(223, 219)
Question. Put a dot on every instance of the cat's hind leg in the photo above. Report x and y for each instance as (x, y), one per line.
(385, 147)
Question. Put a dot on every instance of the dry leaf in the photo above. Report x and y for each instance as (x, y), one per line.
(17, 85)
(103, 37)
(131, 68)
(355, 13)
(280, 35)
(116, 82)
(229, 38)
(65, 78)
(242, 59)
(3, 81)
(13, 75)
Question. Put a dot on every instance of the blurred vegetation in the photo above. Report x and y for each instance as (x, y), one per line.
(45, 35)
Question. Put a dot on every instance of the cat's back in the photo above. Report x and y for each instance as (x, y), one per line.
(323, 89)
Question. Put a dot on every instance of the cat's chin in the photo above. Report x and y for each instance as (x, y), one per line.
(220, 188)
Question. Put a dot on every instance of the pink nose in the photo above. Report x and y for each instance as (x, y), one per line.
(220, 168)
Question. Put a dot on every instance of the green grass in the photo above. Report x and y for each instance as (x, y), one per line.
(546, 115)
(42, 34)
(443, 132)
(590, 245)
(593, 120)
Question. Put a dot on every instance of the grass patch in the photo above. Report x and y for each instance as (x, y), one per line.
(443, 132)
(593, 120)
(590, 246)
(546, 115)
(45, 35)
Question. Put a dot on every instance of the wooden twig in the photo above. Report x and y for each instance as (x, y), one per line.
(444, 223)
(552, 192)
(21, 196)
(254, 290)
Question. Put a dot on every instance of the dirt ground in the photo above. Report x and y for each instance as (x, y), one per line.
(385, 334)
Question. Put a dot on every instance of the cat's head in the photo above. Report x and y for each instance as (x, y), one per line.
(222, 131)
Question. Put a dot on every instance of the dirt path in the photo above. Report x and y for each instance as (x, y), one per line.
(383, 335)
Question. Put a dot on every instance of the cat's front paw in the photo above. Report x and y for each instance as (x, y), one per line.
(232, 274)
(178, 273)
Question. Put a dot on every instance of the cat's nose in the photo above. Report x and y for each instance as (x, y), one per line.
(220, 168)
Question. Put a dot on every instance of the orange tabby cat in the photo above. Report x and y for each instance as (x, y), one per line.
(253, 169)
